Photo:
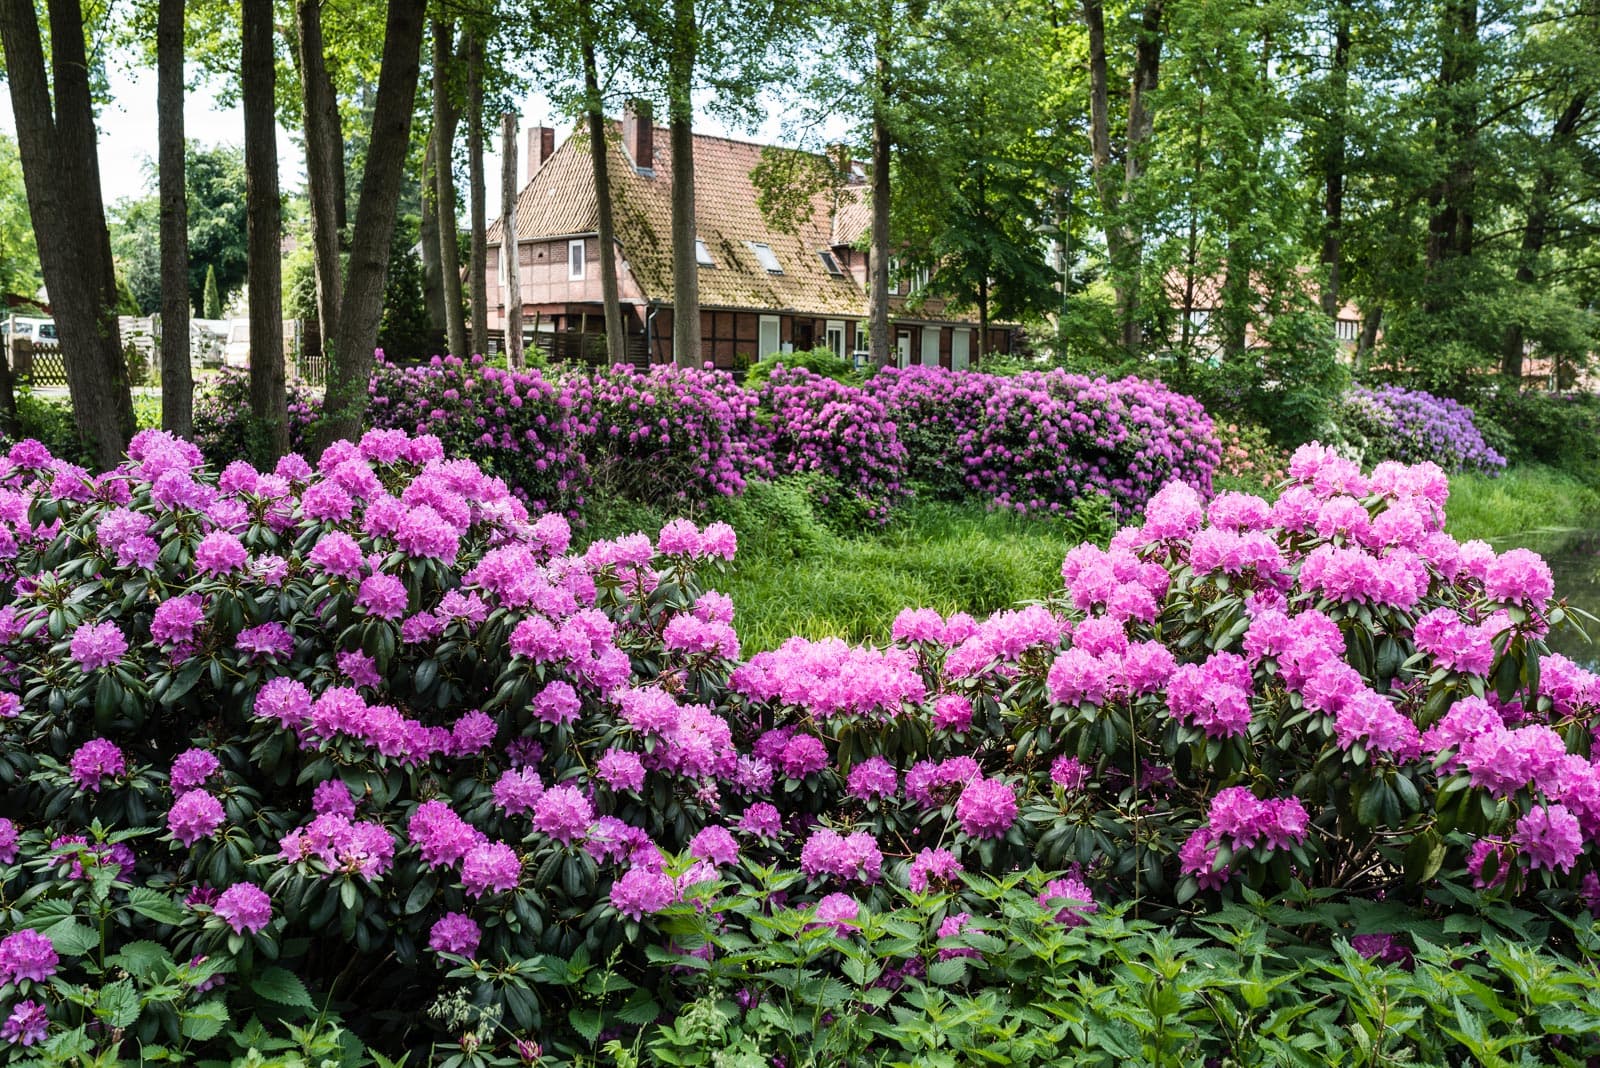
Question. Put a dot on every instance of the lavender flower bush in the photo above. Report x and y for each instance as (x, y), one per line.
(366, 730)
(1412, 426)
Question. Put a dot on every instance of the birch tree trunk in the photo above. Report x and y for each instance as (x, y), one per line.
(511, 250)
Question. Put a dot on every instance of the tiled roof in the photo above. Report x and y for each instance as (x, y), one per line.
(558, 200)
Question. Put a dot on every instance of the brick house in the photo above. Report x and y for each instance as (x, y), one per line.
(762, 290)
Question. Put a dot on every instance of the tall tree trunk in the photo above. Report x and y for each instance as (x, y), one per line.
(177, 378)
(1450, 229)
(61, 172)
(1537, 227)
(1106, 184)
(350, 362)
(1141, 124)
(1369, 336)
(428, 235)
(685, 264)
(880, 343)
(324, 165)
(510, 247)
(269, 401)
(479, 268)
(616, 341)
(445, 118)
(1333, 165)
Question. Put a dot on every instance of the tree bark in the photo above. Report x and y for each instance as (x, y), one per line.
(878, 339)
(445, 118)
(61, 173)
(479, 267)
(1537, 228)
(269, 402)
(1105, 178)
(510, 248)
(616, 340)
(428, 235)
(1450, 229)
(685, 264)
(350, 362)
(1333, 166)
(177, 378)
(324, 165)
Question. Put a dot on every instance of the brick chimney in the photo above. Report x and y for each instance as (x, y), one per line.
(541, 144)
(638, 136)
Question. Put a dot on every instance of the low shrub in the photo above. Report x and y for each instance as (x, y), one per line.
(992, 974)
(368, 732)
(1040, 441)
(1048, 439)
(519, 426)
(1250, 461)
(822, 362)
(1411, 426)
(677, 435)
(840, 433)
(1560, 430)
(223, 427)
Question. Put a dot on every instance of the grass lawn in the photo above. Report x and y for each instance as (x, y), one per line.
(1523, 500)
(794, 576)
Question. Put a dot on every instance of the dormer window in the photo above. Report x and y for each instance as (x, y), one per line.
(830, 264)
(702, 255)
(765, 257)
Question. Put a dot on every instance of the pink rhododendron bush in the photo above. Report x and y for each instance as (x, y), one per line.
(680, 437)
(368, 734)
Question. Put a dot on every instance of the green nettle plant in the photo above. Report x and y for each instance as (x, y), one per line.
(336, 763)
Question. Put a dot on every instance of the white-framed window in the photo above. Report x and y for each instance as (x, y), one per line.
(1347, 329)
(894, 276)
(769, 338)
(830, 264)
(833, 332)
(930, 346)
(577, 259)
(765, 256)
(702, 255)
(862, 348)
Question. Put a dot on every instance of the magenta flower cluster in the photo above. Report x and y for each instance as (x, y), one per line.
(388, 710)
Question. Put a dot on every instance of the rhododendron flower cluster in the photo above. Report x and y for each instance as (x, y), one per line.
(1413, 426)
(409, 719)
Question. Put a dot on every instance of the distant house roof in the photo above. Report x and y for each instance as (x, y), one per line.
(558, 200)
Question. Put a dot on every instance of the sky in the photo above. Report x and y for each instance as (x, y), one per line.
(128, 135)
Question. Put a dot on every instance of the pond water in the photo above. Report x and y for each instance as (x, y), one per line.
(1574, 559)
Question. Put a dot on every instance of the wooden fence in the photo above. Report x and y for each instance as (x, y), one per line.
(36, 363)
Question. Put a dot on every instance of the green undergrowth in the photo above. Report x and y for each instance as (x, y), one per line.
(795, 576)
(1524, 499)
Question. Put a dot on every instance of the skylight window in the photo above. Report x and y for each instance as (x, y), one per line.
(765, 257)
(702, 254)
(830, 263)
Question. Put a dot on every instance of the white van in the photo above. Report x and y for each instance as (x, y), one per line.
(33, 329)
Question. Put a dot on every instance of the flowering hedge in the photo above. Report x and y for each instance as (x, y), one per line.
(684, 436)
(366, 730)
(1042, 440)
(1412, 426)
(816, 424)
